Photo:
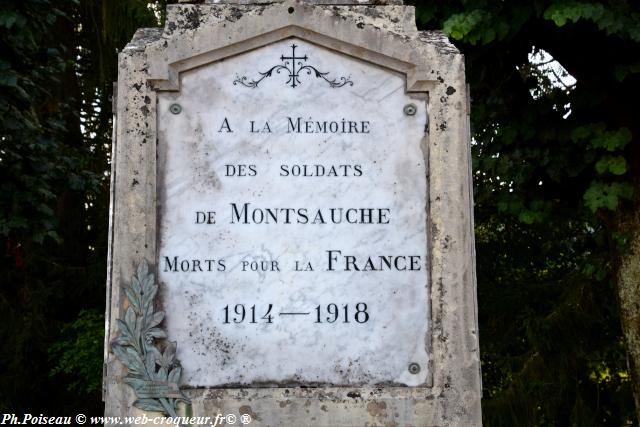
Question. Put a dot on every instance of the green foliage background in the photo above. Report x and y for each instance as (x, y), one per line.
(57, 66)
(549, 188)
(555, 164)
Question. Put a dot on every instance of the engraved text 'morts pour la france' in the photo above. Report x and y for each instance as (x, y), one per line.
(294, 65)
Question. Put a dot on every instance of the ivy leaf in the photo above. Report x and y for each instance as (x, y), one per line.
(598, 137)
(612, 141)
(8, 79)
(465, 26)
(561, 13)
(7, 19)
(530, 217)
(581, 133)
(616, 165)
(601, 195)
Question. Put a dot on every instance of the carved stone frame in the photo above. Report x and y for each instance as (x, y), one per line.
(196, 35)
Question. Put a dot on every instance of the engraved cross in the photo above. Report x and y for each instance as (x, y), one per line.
(293, 77)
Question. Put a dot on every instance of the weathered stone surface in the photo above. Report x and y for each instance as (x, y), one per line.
(385, 37)
(322, 2)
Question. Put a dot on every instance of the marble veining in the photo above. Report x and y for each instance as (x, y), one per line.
(323, 190)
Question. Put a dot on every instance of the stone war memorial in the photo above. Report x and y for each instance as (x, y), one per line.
(291, 227)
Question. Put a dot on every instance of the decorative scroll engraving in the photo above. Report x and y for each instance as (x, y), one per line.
(153, 375)
(294, 66)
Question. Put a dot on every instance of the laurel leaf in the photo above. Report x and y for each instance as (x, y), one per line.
(133, 361)
(174, 375)
(137, 383)
(136, 350)
(148, 297)
(170, 351)
(162, 374)
(148, 313)
(120, 353)
(146, 389)
(143, 269)
(150, 362)
(154, 350)
(124, 329)
(149, 405)
(135, 285)
(130, 319)
(138, 327)
(130, 358)
(155, 320)
(122, 341)
(133, 299)
(156, 333)
(147, 282)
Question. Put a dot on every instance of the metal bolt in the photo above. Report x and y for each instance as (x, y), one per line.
(410, 109)
(414, 368)
(175, 108)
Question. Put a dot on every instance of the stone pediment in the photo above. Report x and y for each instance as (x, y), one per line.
(197, 35)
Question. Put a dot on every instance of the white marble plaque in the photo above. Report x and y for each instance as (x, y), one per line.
(292, 221)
